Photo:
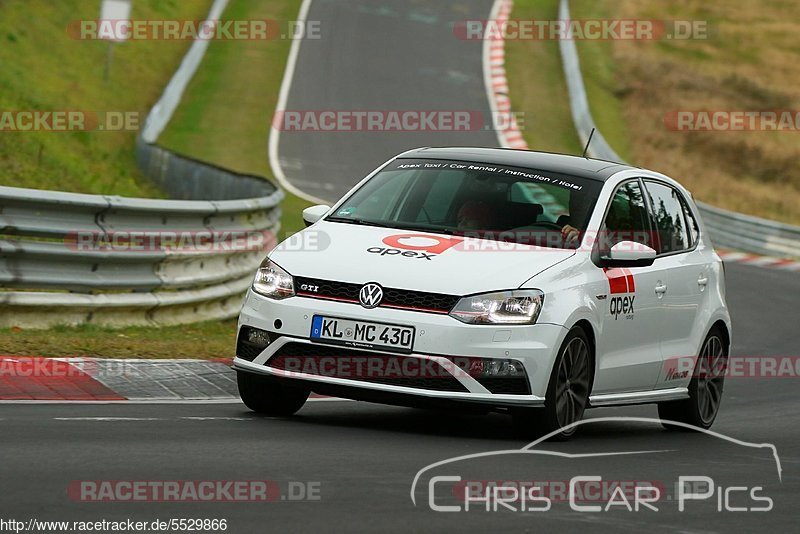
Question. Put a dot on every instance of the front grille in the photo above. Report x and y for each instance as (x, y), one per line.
(365, 366)
(327, 289)
(401, 298)
(392, 298)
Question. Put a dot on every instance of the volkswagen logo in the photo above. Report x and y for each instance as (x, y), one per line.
(370, 295)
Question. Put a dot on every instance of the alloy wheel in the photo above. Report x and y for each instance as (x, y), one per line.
(572, 387)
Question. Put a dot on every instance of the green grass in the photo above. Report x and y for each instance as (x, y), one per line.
(43, 68)
(742, 65)
(226, 112)
(537, 86)
(224, 118)
(603, 88)
(212, 339)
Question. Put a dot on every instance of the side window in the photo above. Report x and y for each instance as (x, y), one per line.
(626, 219)
(691, 224)
(669, 218)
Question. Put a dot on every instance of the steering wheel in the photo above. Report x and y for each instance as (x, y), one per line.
(547, 224)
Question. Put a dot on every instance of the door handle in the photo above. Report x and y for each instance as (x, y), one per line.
(703, 280)
(661, 289)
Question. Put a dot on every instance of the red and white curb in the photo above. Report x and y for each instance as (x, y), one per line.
(730, 256)
(509, 135)
(497, 83)
(34, 379)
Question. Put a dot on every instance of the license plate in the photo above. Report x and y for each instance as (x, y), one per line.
(364, 334)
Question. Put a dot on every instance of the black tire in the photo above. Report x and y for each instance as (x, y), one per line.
(705, 388)
(567, 392)
(270, 395)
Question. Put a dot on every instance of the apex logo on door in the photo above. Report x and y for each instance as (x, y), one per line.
(621, 282)
(415, 246)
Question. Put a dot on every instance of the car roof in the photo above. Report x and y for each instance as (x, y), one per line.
(595, 169)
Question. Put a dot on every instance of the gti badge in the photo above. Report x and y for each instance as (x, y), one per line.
(371, 295)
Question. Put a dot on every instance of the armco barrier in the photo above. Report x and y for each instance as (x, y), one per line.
(728, 229)
(46, 279)
(165, 285)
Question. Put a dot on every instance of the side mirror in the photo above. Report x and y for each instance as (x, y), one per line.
(629, 254)
(314, 213)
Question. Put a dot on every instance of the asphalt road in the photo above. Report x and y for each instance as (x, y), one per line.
(362, 459)
(381, 56)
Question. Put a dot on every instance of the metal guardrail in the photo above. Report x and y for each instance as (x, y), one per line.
(750, 234)
(49, 277)
(728, 229)
(74, 282)
(67, 256)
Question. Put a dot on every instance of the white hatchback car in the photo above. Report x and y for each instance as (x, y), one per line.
(530, 283)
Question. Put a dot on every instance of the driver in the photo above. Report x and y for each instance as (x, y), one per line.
(579, 204)
(475, 215)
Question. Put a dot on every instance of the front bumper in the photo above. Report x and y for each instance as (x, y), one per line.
(437, 336)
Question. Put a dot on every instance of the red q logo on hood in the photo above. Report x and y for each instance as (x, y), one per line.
(429, 243)
(414, 246)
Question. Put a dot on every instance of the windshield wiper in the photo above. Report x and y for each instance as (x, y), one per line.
(412, 228)
(421, 228)
(362, 222)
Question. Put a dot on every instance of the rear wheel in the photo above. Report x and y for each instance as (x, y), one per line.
(567, 392)
(270, 395)
(705, 388)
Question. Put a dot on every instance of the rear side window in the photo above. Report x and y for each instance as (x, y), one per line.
(669, 217)
(691, 224)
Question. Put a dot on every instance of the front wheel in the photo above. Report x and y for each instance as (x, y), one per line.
(567, 392)
(705, 388)
(270, 396)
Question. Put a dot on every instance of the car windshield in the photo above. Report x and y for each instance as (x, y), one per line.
(487, 201)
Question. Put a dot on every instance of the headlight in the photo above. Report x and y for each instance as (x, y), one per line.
(273, 282)
(503, 307)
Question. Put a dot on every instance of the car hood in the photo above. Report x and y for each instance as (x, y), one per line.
(411, 260)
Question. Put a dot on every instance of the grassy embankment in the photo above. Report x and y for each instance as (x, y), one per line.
(44, 68)
(748, 62)
(224, 119)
